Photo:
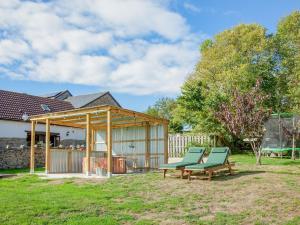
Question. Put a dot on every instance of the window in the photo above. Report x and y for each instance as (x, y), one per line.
(45, 108)
(40, 138)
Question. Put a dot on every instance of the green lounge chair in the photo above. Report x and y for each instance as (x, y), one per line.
(217, 160)
(193, 156)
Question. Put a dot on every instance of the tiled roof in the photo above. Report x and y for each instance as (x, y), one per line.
(13, 105)
(82, 100)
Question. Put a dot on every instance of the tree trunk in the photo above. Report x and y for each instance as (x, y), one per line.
(293, 154)
(258, 157)
(257, 152)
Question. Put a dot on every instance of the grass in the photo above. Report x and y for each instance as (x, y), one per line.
(21, 170)
(250, 159)
(267, 194)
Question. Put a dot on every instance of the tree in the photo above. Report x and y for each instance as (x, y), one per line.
(244, 117)
(189, 103)
(235, 58)
(164, 108)
(287, 41)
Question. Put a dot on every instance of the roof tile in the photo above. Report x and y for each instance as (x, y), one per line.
(13, 105)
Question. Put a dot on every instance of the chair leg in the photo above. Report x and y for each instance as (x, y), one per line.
(230, 170)
(165, 171)
(189, 175)
(210, 173)
(182, 172)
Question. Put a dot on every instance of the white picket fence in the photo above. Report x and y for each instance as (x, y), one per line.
(178, 143)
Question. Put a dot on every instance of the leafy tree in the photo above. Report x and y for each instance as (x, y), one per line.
(189, 103)
(244, 117)
(164, 108)
(287, 40)
(235, 58)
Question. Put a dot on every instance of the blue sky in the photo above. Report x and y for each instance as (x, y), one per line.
(138, 50)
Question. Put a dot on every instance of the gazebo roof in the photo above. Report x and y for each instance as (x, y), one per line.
(98, 115)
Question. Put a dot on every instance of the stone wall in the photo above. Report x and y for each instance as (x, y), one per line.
(12, 142)
(20, 157)
(14, 156)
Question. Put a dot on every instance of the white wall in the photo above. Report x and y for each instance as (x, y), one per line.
(17, 129)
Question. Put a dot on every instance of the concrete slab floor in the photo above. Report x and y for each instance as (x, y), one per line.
(69, 175)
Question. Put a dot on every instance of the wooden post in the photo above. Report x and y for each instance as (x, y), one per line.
(88, 144)
(93, 140)
(166, 140)
(147, 146)
(47, 143)
(32, 144)
(109, 144)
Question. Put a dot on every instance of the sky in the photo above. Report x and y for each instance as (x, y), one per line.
(139, 50)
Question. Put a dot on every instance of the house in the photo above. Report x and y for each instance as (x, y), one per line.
(102, 98)
(15, 110)
(60, 95)
(81, 101)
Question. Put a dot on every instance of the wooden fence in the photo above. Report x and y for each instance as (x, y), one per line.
(178, 143)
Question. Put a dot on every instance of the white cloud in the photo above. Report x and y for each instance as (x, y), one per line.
(131, 46)
(11, 50)
(191, 7)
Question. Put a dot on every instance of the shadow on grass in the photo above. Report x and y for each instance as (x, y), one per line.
(291, 163)
(222, 176)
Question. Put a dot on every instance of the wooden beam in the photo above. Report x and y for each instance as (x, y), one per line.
(67, 124)
(137, 124)
(97, 110)
(147, 146)
(109, 144)
(32, 148)
(82, 123)
(140, 115)
(71, 113)
(78, 119)
(166, 141)
(88, 144)
(47, 143)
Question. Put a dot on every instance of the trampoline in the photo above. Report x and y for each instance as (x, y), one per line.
(282, 135)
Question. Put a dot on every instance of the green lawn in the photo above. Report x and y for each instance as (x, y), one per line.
(268, 194)
(23, 170)
(250, 159)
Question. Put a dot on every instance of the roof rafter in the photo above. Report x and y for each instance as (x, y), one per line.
(77, 117)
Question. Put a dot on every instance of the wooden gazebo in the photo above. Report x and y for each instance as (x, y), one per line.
(149, 135)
